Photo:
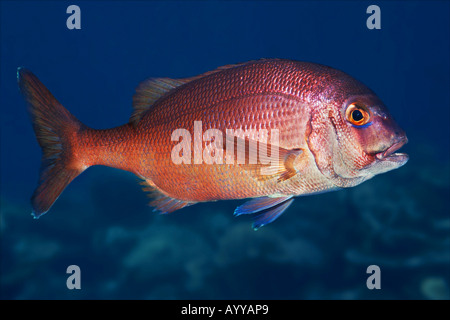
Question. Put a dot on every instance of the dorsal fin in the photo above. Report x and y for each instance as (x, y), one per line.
(208, 73)
(148, 92)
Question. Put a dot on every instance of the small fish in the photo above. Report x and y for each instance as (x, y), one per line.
(268, 130)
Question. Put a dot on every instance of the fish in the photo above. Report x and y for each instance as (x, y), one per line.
(266, 130)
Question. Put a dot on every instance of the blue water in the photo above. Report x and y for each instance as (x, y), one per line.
(319, 249)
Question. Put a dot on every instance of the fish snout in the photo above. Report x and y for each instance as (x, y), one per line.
(399, 139)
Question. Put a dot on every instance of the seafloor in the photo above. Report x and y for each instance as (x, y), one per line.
(319, 249)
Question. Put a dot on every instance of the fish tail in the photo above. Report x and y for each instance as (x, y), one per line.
(55, 129)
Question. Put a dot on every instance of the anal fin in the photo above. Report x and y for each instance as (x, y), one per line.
(161, 202)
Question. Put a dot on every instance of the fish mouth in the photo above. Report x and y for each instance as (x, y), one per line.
(390, 155)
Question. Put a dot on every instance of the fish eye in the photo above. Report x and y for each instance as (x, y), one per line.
(357, 114)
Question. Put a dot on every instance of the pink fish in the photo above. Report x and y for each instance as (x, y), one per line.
(327, 130)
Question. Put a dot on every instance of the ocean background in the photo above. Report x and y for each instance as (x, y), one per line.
(319, 248)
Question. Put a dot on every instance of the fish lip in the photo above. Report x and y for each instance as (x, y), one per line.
(389, 154)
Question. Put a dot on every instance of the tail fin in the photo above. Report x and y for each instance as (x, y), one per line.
(54, 126)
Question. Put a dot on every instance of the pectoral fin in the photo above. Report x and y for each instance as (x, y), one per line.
(270, 208)
(253, 156)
